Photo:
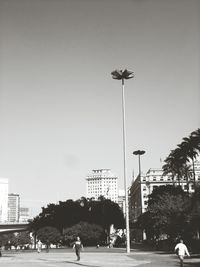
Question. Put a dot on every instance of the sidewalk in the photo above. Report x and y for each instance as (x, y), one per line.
(94, 258)
(89, 259)
(161, 259)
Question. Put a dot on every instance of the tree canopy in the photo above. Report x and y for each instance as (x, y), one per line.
(180, 162)
(15, 239)
(49, 235)
(166, 213)
(103, 212)
(90, 234)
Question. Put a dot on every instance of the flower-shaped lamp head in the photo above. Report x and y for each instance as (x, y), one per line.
(122, 74)
(138, 152)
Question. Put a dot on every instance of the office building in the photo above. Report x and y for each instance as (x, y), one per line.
(24, 214)
(102, 182)
(3, 199)
(13, 207)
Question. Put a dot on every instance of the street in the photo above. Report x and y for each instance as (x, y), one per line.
(92, 258)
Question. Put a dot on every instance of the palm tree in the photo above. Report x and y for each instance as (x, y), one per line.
(195, 138)
(186, 173)
(174, 163)
(188, 147)
(177, 162)
(168, 167)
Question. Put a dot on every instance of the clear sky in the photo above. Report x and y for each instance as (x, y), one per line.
(60, 110)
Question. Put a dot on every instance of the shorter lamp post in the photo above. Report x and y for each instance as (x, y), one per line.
(139, 153)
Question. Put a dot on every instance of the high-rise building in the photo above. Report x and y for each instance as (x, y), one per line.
(3, 199)
(24, 214)
(13, 207)
(102, 182)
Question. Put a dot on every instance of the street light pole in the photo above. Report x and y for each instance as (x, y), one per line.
(122, 75)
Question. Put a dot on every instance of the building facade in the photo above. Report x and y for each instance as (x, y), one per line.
(3, 199)
(13, 207)
(121, 200)
(24, 214)
(102, 182)
(142, 187)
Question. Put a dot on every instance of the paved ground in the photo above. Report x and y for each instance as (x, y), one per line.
(93, 258)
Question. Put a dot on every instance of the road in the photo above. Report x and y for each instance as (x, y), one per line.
(93, 258)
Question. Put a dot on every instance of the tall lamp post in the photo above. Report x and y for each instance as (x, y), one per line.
(139, 153)
(124, 75)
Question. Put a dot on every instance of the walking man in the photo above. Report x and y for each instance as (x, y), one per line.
(78, 246)
(181, 250)
(39, 246)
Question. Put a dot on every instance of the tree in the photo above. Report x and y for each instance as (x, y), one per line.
(22, 239)
(185, 153)
(15, 239)
(189, 150)
(5, 240)
(167, 212)
(64, 214)
(195, 212)
(90, 234)
(49, 235)
(103, 212)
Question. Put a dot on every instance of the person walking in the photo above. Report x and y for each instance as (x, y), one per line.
(39, 246)
(181, 250)
(78, 246)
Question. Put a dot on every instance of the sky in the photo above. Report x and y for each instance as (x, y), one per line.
(60, 109)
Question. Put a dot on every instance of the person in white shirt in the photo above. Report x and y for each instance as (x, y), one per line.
(39, 246)
(181, 250)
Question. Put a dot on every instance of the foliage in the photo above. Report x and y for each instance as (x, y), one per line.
(49, 235)
(120, 240)
(23, 238)
(103, 212)
(195, 211)
(5, 239)
(90, 234)
(179, 161)
(15, 239)
(167, 212)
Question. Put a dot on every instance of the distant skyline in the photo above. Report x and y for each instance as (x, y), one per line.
(60, 109)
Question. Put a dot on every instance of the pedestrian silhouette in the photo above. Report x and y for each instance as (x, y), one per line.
(78, 246)
(181, 250)
(39, 246)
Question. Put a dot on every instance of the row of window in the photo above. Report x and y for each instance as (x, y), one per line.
(99, 182)
(155, 178)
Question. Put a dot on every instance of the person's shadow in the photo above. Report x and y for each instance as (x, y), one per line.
(81, 264)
